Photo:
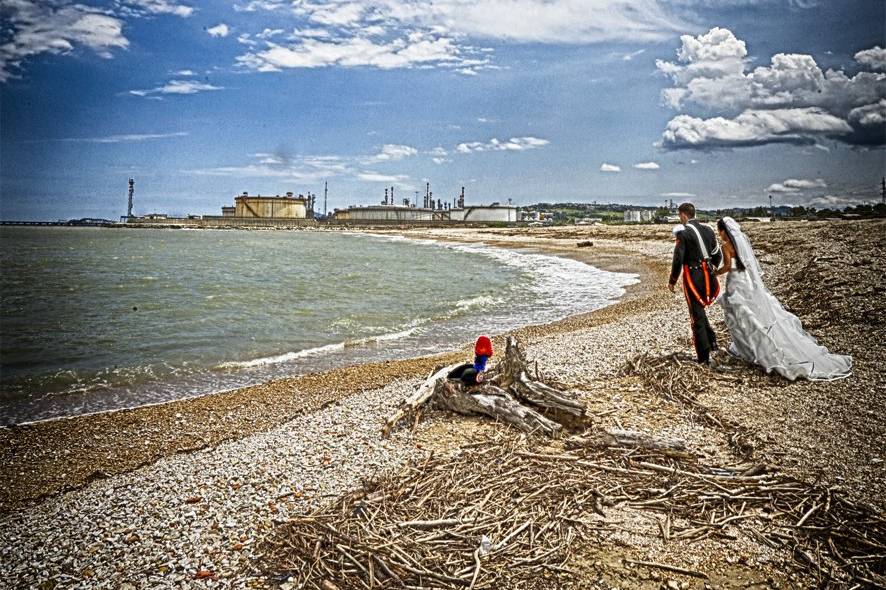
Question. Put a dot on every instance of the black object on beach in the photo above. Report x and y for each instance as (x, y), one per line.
(466, 373)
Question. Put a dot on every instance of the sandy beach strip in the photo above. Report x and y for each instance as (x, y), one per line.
(215, 473)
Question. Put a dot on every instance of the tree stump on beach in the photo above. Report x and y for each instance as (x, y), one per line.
(508, 394)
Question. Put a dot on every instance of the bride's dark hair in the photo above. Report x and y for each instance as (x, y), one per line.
(721, 225)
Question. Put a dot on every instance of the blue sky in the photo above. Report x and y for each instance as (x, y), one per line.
(721, 103)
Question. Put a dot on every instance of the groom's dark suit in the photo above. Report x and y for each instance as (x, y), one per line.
(700, 284)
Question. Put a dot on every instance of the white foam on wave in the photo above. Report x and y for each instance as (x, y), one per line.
(281, 358)
(315, 351)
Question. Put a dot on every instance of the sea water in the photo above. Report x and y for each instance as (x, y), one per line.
(94, 319)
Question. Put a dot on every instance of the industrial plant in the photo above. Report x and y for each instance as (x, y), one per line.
(431, 210)
(290, 210)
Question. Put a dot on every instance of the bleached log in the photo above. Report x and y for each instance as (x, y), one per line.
(507, 384)
(418, 399)
(627, 438)
(494, 402)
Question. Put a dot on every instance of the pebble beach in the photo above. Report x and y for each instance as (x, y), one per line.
(181, 495)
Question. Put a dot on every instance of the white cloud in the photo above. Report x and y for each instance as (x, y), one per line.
(177, 87)
(870, 115)
(565, 21)
(256, 5)
(219, 30)
(36, 27)
(378, 177)
(186, 73)
(874, 58)
(647, 166)
(131, 137)
(391, 152)
(159, 7)
(604, 167)
(678, 195)
(514, 144)
(753, 127)
(244, 39)
(794, 185)
(371, 33)
(711, 74)
(269, 33)
(414, 50)
(33, 27)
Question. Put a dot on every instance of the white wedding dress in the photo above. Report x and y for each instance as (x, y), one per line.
(765, 333)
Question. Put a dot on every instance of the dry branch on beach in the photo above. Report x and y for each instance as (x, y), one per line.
(498, 514)
(508, 394)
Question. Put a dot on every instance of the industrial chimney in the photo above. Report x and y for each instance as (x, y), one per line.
(131, 193)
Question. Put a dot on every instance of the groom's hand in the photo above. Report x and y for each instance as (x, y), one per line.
(672, 287)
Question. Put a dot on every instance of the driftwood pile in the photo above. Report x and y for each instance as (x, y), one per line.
(679, 380)
(509, 393)
(498, 515)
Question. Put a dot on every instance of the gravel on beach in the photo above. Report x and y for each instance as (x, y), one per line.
(167, 515)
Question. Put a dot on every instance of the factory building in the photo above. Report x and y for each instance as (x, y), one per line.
(265, 207)
(393, 213)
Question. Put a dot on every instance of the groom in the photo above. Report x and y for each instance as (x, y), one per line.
(697, 255)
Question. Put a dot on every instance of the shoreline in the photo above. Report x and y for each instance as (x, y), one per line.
(59, 454)
(212, 510)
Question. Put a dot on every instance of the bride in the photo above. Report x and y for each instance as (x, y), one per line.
(763, 332)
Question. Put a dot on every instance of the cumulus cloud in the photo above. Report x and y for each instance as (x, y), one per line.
(790, 99)
(753, 127)
(604, 167)
(177, 87)
(647, 166)
(219, 30)
(32, 27)
(678, 195)
(795, 185)
(514, 144)
(874, 58)
(37, 27)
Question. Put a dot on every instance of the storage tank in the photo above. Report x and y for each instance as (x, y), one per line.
(393, 213)
(276, 207)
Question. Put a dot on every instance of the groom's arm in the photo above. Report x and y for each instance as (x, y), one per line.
(677, 264)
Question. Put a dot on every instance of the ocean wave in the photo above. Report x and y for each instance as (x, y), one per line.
(280, 358)
(478, 301)
(315, 351)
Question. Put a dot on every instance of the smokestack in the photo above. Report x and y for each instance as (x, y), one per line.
(392, 195)
(131, 193)
(439, 204)
(386, 197)
(461, 199)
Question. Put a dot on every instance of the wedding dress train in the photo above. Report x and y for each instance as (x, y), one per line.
(763, 332)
